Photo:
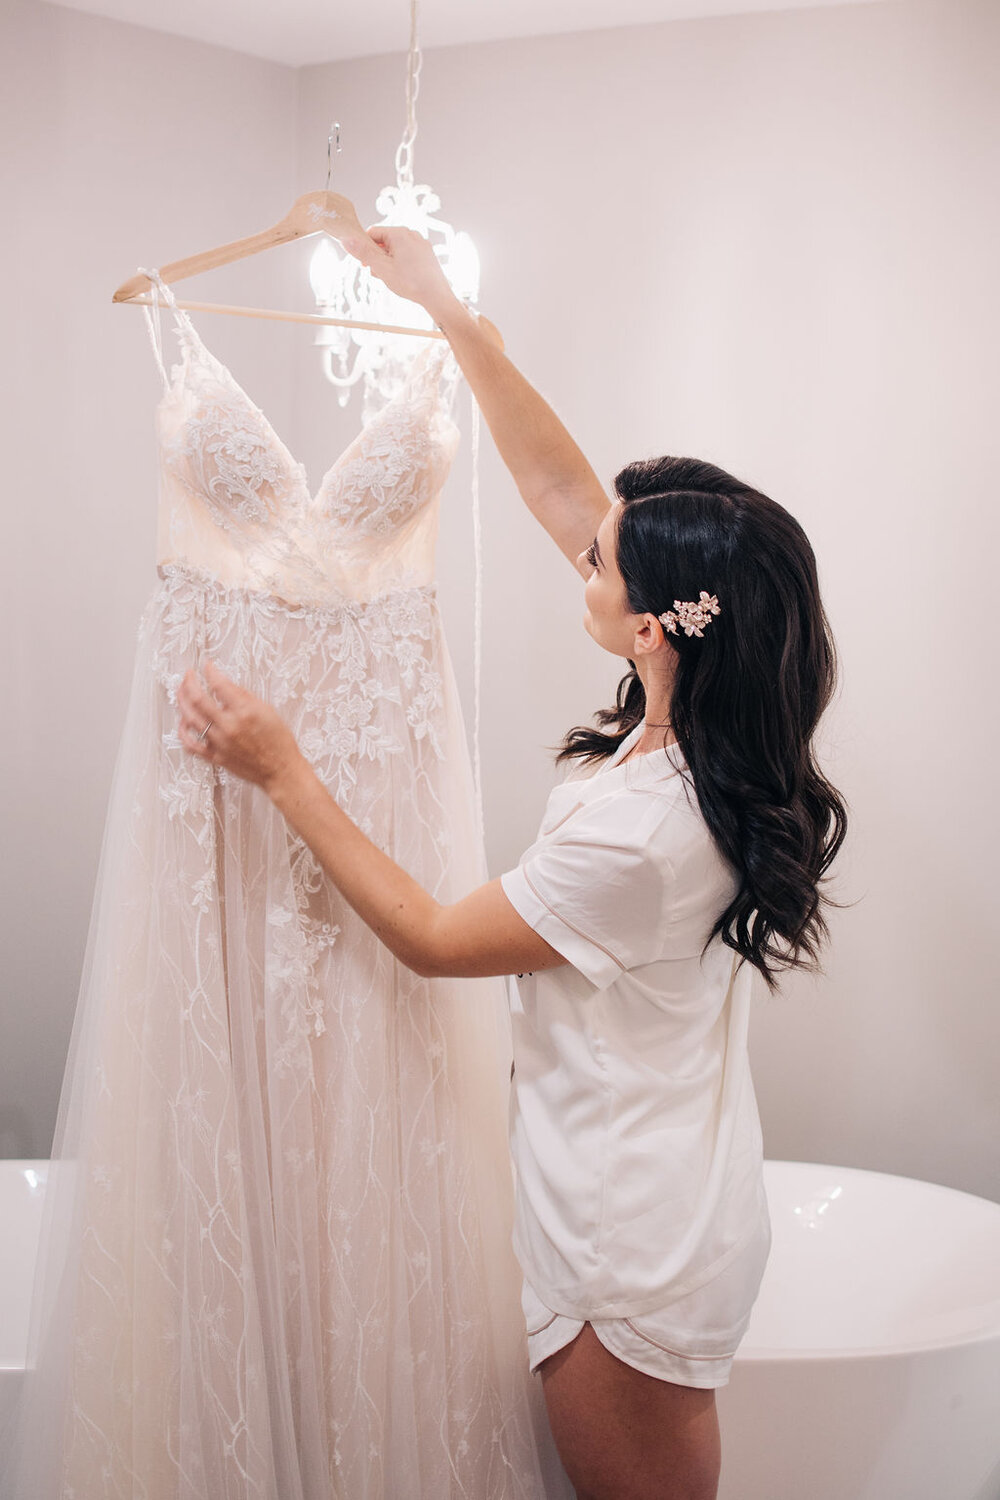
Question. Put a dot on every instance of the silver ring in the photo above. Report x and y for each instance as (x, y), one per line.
(204, 732)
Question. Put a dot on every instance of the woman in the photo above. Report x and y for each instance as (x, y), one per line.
(690, 854)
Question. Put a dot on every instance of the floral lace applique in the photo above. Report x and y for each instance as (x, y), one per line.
(225, 453)
(295, 948)
(360, 683)
(396, 473)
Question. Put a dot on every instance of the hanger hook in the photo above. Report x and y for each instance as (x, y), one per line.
(330, 153)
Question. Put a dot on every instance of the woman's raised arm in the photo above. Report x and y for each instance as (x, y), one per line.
(556, 482)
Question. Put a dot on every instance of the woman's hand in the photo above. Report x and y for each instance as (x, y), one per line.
(408, 266)
(245, 735)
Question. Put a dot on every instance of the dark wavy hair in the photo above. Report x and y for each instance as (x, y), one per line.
(747, 695)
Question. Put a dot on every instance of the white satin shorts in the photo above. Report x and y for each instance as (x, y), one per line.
(691, 1341)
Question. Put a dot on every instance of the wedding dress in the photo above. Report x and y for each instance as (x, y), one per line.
(278, 1262)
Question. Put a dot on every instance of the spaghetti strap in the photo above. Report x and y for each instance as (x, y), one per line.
(161, 287)
(160, 291)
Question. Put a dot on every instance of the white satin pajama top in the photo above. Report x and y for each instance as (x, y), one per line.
(634, 1127)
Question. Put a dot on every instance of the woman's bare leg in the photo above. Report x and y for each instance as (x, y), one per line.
(623, 1435)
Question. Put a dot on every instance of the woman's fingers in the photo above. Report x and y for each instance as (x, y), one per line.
(197, 710)
(199, 706)
(406, 262)
(384, 235)
(341, 222)
(368, 248)
(224, 689)
(244, 735)
(194, 702)
(194, 741)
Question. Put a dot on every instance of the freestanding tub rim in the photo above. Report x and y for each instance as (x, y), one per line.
(981, 1322)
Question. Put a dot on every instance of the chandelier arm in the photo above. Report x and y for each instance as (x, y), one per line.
(348, 381)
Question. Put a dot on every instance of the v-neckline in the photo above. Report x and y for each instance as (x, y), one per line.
(178, 377)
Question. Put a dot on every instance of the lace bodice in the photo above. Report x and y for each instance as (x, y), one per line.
(235, 503)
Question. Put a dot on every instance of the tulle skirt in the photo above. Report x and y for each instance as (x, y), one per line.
(276, 1258)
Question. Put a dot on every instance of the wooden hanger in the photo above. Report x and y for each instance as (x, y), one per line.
(331, 213)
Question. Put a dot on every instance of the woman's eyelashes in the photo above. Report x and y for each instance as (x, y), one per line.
(591, 555)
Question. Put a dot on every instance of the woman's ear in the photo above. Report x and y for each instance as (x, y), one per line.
(650, 636)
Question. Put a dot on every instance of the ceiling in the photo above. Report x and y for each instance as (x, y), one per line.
(298, 32)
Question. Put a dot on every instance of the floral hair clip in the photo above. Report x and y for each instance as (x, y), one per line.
(691, 616)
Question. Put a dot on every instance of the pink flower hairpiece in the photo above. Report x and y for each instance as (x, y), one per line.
(692, 616)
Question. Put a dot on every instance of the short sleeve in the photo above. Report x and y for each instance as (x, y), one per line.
(596, 889)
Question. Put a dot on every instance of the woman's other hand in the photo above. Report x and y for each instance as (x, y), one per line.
(245, 735)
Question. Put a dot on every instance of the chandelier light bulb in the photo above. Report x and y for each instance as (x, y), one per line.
(463, 267)
(325, 273)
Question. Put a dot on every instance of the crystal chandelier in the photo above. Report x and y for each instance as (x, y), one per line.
(343, 288)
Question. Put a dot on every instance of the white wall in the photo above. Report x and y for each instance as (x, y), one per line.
(790, 222)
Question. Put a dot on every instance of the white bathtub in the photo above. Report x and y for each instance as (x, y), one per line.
(22, 1191)
(871, 1370)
